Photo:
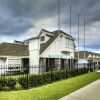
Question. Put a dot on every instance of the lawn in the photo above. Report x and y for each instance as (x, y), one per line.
(52, 91)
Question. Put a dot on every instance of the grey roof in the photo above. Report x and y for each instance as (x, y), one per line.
(87, 53)
(11, 49)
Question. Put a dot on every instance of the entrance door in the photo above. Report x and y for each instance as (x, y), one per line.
(25, 65)
(25, 62)
(62, 63)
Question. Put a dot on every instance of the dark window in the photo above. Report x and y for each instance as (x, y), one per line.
(42, 38)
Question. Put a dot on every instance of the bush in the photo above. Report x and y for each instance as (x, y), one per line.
(57, 75)
(37, 80)
(2, 84)
(10, 83)
(7, 83)
(80, 71)
(23, 82)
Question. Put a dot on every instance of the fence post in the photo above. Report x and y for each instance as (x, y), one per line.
(51, 74)
(94, 67)
(84, 68)
(67, 72)
(90, 67)
(27, 76)
(77, 68)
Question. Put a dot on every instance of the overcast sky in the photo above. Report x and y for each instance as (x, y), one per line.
(21, 19)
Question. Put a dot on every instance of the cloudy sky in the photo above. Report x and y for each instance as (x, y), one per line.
(21, 19)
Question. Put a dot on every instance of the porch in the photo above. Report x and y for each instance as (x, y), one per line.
(55, 63)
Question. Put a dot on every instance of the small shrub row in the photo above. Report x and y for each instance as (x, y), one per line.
(80, 71)
(40, 79)
(7, 83)
(37, 80)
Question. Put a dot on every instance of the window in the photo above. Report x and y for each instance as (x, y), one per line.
(42, 38)
(66, 42)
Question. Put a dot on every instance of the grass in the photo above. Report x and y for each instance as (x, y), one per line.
(52, 91)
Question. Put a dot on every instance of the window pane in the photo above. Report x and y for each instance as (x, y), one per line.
(42, 38)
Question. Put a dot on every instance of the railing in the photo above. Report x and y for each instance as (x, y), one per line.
(19, 77)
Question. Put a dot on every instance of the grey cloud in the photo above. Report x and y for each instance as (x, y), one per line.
(18, 16)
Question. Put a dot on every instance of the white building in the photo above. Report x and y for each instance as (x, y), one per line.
(90, 57)
(13, 56)
(48, 49)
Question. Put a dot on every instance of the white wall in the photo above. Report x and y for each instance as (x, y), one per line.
(2, 65)
(14, 61)
(81, 63)
(34, 56)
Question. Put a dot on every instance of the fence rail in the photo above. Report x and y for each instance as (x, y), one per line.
(24, 77)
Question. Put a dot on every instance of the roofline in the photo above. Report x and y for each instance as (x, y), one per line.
(36, 37)
(48, 32)
(3, 56)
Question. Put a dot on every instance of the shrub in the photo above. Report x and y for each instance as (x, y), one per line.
(37, 80)
(57, 75)
(23, 81)
(10, 83)
(7, 83)
(2, 84)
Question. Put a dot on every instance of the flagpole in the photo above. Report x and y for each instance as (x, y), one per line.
(78, 41)
(84, 42)
(59, 26)
(70, 38)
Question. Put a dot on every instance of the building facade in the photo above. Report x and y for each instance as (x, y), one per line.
(90, 57)
(50, 49)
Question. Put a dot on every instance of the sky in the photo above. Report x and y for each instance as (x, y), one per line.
(22, 19)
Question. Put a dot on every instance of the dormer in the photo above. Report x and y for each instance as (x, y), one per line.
(44, 36)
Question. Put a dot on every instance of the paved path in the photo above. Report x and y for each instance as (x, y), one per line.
(89, 92)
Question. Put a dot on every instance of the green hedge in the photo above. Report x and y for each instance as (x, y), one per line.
(37, 80)
(40, 79)
(7, 83)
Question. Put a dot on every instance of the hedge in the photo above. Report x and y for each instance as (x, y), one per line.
(37, 80)
(40, 79)
(7, 83)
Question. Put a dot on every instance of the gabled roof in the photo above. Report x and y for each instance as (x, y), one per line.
(37, 37)
(87, 53)
(11, 49)
(43, 46)
(54, 35)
